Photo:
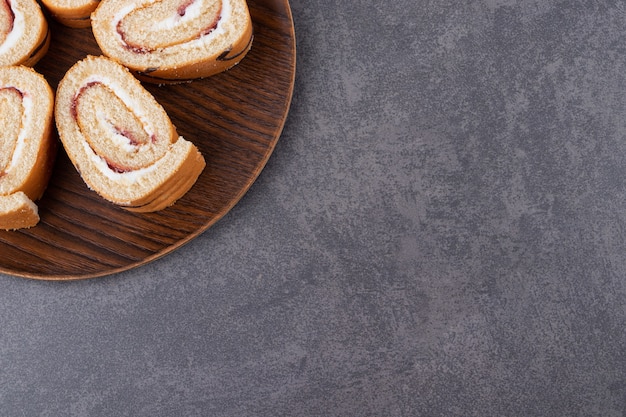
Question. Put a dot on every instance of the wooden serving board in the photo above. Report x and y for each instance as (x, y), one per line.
(234, 118)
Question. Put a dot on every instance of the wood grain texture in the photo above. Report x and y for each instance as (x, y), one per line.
(234, 118)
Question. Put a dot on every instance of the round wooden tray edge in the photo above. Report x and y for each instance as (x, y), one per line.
(168, 250)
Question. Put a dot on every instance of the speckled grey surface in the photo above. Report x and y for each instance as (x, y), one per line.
(441, 231)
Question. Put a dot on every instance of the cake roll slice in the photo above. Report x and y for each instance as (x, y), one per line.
(24, 33)
(72, 13)
(27, 144)
(120, 139)
(17, 211)
(169, 41)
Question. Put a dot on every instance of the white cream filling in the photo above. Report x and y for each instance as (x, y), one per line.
(117, 138)
(127, 177)
(20, 145)
(13, 38)
(170, 23)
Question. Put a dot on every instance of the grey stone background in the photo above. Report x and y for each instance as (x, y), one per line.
(441, 231)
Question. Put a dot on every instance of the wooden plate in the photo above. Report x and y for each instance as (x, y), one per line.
(235, 118)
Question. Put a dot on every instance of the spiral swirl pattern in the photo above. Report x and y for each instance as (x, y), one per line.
(120, 139)
(174, 40)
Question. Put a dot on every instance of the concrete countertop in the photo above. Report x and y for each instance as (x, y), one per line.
(441, 231)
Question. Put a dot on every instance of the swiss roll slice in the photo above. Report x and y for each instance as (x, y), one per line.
(120, 139)
(27, 144)
(24, 33)
(168, 41)
(72, 13)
